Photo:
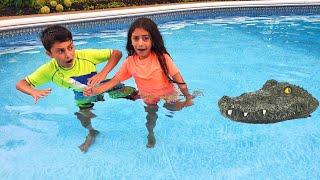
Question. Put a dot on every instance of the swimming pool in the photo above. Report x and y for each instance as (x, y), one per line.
(218, 55)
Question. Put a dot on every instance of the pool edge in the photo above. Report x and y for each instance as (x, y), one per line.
(18, 23)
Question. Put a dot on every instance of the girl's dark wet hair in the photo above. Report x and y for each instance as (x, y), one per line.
(157, 42)
(53, 34)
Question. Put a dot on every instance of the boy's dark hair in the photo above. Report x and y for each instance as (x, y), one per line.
(53, 34)
(157, 42)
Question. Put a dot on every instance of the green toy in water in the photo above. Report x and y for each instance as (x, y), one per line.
(126, 92)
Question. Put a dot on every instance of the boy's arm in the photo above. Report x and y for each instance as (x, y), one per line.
(113, 61)
(26, 88)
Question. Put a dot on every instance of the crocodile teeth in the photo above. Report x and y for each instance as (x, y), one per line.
(245, 114)
(264, 112)
(229, 112)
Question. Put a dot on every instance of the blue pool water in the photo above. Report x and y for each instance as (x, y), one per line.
(218, 56)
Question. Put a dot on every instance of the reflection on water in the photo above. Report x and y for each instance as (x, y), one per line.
(27, 109)
(12, 144)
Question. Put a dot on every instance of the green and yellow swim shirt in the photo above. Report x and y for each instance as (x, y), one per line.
(85, 62)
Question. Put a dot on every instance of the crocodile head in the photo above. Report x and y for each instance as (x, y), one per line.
(274, 102)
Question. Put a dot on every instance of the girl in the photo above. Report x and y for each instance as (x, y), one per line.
(153, 70)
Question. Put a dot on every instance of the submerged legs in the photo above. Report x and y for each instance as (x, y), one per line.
(151, 123)
(85, 116)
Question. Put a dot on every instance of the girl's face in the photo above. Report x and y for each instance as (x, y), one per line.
(141, 42)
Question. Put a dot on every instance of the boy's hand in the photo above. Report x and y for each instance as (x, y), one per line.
(96, 79)
(89, 91)
(37, 94)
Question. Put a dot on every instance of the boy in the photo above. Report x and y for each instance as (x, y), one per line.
(72, 69)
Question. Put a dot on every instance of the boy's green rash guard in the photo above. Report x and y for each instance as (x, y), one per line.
(85, 62)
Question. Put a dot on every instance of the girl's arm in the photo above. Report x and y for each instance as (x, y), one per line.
(184, 89)
(113, 61)
(92, 90)
(177, 78)
(182, 86)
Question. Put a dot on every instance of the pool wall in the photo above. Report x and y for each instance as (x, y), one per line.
(118, 18)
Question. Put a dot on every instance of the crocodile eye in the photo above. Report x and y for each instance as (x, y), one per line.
(287, 90)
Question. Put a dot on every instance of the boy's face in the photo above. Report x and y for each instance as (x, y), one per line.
(63, 52)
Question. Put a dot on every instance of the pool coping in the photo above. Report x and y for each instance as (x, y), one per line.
(73, 17)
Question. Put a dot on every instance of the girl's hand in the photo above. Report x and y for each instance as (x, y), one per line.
(89, 91)
(177, 106)
(188, 101)
(190, 97)
(37, 94)
(96, 79)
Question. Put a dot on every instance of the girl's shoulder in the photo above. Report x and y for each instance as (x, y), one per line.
(167, 57)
